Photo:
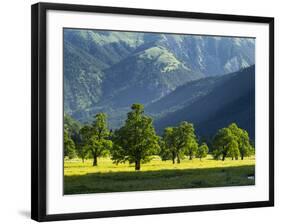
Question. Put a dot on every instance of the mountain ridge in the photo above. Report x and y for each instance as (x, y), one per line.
(106, 71)
(235, 94)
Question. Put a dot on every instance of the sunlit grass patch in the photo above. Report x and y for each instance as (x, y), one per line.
(156, 175)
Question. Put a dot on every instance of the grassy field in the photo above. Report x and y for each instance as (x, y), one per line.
(81, 178)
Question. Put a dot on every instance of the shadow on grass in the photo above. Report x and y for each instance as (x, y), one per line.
(159, 180)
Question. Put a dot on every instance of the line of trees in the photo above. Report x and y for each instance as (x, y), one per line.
(136, 141)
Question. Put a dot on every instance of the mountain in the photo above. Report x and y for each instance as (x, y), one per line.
(82, 78)
(186, 94)
(214, 103)
(145, 76)
(212, 55)
(109, 70)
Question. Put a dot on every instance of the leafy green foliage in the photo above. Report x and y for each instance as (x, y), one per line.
(232, 142)
(179, 141)
(202, 151)
(168, 145)
(69, 146)
(221, 142)
(82, 151)
(73, 127)
(244, 145)
(136, 141)
(232, 149)
(186, 140)
(95, 138)
(192, 148)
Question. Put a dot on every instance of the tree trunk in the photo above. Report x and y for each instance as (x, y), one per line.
(137, 165)
(173, 157)
(178, 159)
(242, 157)
(95, 162)
(232, 158)
(223, 157)
(190, 157)
(83, 160)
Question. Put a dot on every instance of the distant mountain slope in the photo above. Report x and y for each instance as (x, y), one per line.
(212, 55)
(108, 47)
(232, 100)
(82, 80)
(145, 76)
(109, 70)
(186, 94)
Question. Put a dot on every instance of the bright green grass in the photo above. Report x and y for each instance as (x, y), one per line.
(156, 175)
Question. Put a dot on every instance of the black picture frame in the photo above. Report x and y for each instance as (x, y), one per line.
(38, 110)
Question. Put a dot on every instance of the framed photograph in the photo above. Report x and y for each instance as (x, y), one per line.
(140, 111)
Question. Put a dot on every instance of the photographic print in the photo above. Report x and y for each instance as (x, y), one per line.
(132, 106)
(150, 111)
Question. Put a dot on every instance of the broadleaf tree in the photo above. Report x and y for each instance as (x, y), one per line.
(243, 140)
(136, 141)
(233, 142)
(168, 147)
(202, 151)
(96, 137)
(233, 149)
(185, 139)
(82, 151)
(221, 142)
(69, 146)
(192, 148)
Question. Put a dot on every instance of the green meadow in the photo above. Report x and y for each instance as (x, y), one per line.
(83, 178)
(151, 111)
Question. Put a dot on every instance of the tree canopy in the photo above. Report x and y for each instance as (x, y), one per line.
(178, 142)
(69, 146)
(185, 138)
(233, 142)
(168, 145)
(202, 151)
(136, 141)
(244, 145)
(96, 137)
